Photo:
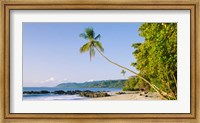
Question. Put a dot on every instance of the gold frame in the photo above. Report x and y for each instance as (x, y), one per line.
(7, 5)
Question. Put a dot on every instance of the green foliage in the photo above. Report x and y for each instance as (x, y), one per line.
(136, 45)
(95, 84)
(130, 84)
(135, 84)
(156, 57)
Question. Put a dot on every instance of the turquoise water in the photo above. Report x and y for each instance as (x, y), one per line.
(48, 97)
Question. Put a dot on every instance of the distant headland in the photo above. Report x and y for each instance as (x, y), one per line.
(94, 84)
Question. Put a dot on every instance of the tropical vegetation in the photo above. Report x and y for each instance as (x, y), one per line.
(156, 58)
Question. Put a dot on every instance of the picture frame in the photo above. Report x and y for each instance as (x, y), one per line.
(6, 6)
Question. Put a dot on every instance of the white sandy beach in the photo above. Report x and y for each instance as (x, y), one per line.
(130, 96)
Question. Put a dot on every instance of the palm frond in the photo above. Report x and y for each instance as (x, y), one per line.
(85, 47)
(83, 35)
(97, 37)
(136, 45)
(98, 45)
(90, 32)
(135, 52)
(134, 64)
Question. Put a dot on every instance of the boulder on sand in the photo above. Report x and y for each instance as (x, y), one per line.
(94, 94)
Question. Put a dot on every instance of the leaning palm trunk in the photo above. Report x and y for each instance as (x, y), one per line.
(162, 94)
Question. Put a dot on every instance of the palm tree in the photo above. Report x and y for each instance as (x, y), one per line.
(123, 72)
(93, 44)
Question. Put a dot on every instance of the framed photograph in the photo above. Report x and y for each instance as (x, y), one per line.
(99, 60)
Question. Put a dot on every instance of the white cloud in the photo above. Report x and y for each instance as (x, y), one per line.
(51, 79)
(64, 80)
(91, 80)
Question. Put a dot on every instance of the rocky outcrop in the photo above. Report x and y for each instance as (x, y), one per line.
(86, 93)
(120, 93)
(60, 92)
(36, 92)
(94, 94)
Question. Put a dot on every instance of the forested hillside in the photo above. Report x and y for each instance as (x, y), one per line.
(94, 84)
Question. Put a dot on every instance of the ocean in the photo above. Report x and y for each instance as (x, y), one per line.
(49, 97)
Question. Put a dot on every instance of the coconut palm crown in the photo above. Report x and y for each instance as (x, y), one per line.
(92, 43)
(123, 72)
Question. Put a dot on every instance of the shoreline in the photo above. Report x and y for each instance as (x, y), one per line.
(92, 96)
(128, 95)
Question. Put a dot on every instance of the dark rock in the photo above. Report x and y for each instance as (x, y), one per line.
(120, 93)
(36, 92)
(60, 92)
(142, 89)
(88, 91)
(77, 91)
(93, 94)
(44, 92)
(70, 92)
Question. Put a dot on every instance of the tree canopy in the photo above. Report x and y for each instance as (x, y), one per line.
(156, 57)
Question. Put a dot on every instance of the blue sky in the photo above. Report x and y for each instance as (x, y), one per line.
(51, 52)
